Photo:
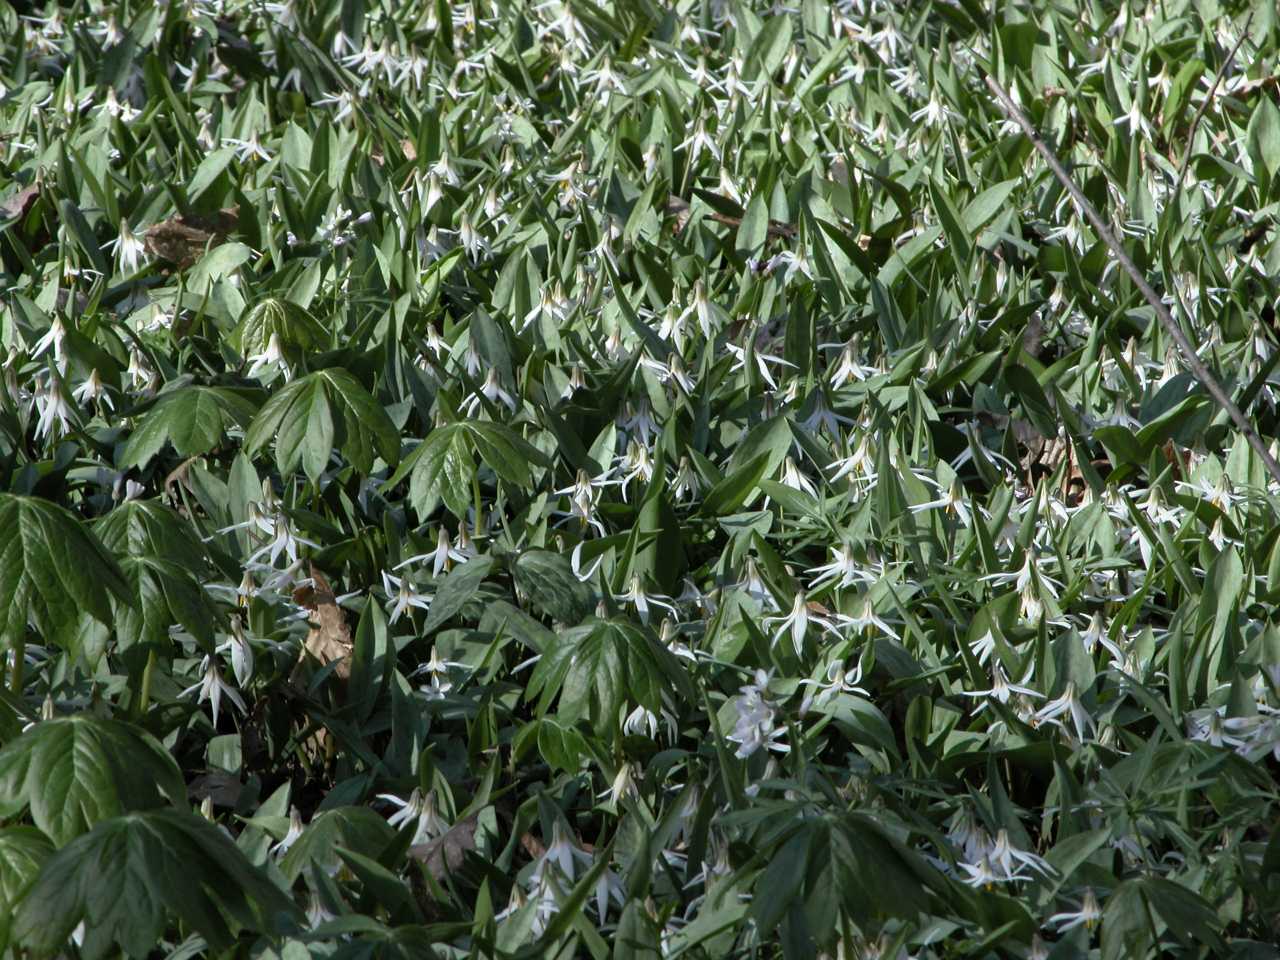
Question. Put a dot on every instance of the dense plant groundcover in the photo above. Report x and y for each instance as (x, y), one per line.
(637, 479)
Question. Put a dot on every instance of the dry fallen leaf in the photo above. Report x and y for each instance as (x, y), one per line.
(330, 638)
(182, 239)
(20, 203)
(445, 853)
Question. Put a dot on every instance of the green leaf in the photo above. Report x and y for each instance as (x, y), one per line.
(547, 580)
(599, 666)
(51, 569)
(290, 324)
(507, 453)
(306, 433)
(355, 828)
(23, 850)
(442, 470)
(368, 428)
(301, 418)
(148, 528)
(735, 489)
(1264, 136)
(194, 419)
(986, 205)
(165, 593)
(455, 590)
(754, 229)
(74, 771)
(126, 877)
(211, 167)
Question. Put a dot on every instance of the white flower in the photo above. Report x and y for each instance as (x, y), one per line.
(212, 687)
(983, 647)
(57, 416)
(271, 356)
(1001, 689)
(792, 477)
(798, 620)
(1010, 859)
(686, 484)
(583, 495)
(755, 727)
(443, 556)
(492, 391)
(248, 149)
(241, 652)
(54, 337)
(952, 502)
(403, 596)
(868, 618)
(838, 681)
(1088, 916)
(291, 836)
(636, 597)
(563, 853)
(1069, 702)
(93, 389)
(419, 808)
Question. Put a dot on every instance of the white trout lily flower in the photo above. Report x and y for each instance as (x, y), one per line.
(419, 808)
(801, 616)
(212, 688)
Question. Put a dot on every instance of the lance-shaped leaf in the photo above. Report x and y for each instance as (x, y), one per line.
(126, 877)
(194, 419)
(51, 569)
(321, 411)
(74, 771)
(356, 828)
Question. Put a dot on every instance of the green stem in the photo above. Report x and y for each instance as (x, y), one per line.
(19, 660)
(475, 494)
(144, 694)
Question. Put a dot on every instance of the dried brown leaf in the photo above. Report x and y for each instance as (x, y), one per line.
(445, 853)
(330, 638)
(20, 204)
(181, 240)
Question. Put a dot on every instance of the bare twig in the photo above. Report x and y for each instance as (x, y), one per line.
(1193, 361)
(1204, 104)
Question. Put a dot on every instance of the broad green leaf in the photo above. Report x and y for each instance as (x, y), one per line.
(316, 412)
(547, 580)
(505, 451)
(290, 324)
(193, 418)
(51, 569)
(130, 874)
(23, 850)
(142, 528)
(1264, 136)
(599, 666)
(74, 771)
(165, 594)
(442, 470)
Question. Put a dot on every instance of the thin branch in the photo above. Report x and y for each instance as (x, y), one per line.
(1204, 104)
(1193, 361)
